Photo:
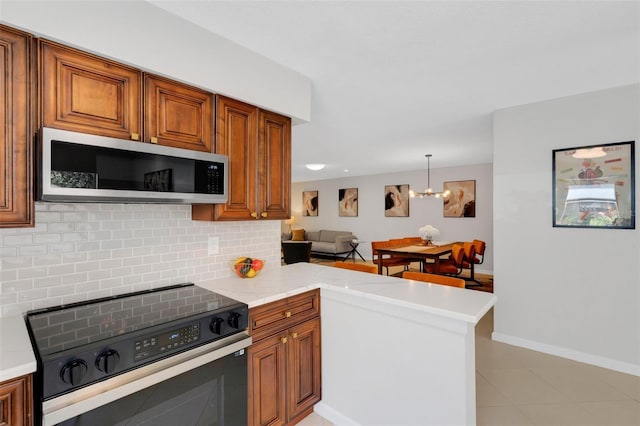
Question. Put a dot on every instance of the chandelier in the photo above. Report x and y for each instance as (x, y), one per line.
(429, 192)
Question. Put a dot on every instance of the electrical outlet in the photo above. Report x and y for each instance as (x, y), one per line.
(214, 245)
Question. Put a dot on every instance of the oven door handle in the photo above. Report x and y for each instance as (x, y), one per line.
(85, 399)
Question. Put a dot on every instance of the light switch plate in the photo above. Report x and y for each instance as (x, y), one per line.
(214, 245)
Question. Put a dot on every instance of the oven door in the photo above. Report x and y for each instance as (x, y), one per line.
(197, 387)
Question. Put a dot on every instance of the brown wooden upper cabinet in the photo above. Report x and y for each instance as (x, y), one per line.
(177, 115)
(16, 116)
(85, 93)
(258, 144)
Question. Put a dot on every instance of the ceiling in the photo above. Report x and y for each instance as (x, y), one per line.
(395, 80)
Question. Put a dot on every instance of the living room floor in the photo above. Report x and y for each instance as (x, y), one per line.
(516, 386)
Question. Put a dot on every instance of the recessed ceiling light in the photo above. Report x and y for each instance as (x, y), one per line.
(346, 170)
(315, 167)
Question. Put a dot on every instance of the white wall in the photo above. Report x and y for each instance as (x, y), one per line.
(84, 251)
(145, 36)
(372, 225)
(570, 292)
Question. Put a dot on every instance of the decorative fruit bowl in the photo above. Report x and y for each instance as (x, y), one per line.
(247, 267)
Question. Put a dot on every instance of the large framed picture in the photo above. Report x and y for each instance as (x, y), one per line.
(310, 203)
(461, 201)
(396, 200)
(594, 186)
(348, 202)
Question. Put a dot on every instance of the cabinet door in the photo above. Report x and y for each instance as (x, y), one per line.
(285, 313)
(274, 166)
(236, 136)
(16, 191)
(303, 368)
(85, 93)
(15, 402)
(267, 381)
(178, 115)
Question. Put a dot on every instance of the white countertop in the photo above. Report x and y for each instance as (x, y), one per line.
(278, 282)
(273, 283)
(16, 354)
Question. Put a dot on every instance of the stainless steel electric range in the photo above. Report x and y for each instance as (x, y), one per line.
(168, 356)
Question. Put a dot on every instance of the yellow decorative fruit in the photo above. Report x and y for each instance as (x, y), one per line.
(251, 273)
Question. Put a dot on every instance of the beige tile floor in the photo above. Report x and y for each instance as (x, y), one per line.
(520, 387)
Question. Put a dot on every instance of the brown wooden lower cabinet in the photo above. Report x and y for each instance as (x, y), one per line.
(16, 402)
(284, 367)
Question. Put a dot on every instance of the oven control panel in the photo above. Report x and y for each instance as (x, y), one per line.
(166, 342)
(69, 370)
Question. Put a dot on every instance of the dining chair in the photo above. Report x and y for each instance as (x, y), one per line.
(450, 266)
(434, 279)
(387, 260)
(409, 241)
(296, 251)
(468, 261)
(480, 247)
(362, 267)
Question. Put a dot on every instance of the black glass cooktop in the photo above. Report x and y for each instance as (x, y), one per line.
(69, 326)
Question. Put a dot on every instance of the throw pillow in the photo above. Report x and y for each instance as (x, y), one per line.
(297, 235)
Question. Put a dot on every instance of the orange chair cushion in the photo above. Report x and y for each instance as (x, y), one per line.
(433, 278)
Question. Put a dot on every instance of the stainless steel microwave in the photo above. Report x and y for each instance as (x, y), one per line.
(78, 167)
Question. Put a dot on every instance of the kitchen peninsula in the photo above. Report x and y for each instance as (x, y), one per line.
(393, 351)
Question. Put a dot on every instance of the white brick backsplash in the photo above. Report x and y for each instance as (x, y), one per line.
(65, 269)
(61, 247)
(82, 251)
(38, 272)
(99, 275)
(47, 238)
(18, 240)
(8, 275)
(33, 250)
(8, 252)
(74, 278)
(49, 216)
(47, 282)
(17, 286)
(61, 227)
(49, 259)
(88, 266)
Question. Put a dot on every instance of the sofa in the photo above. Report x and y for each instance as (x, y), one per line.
(323, 242)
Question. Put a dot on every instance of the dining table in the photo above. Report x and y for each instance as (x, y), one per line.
(433, 251)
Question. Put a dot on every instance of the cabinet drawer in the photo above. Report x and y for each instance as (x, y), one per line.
(276, 316)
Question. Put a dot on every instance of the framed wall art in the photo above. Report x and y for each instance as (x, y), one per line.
(348, 202)
(310, 203)
(594, 186)
(461, 201)
(396, 200)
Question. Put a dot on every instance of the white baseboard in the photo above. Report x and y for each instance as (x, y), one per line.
(587, 358)
(332, 415)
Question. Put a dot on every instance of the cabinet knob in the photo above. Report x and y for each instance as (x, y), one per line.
(135, 136)
(154, 139)
(287, 314)
(263, 214)
(294, 335)
(284, 340)
(254, 215)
